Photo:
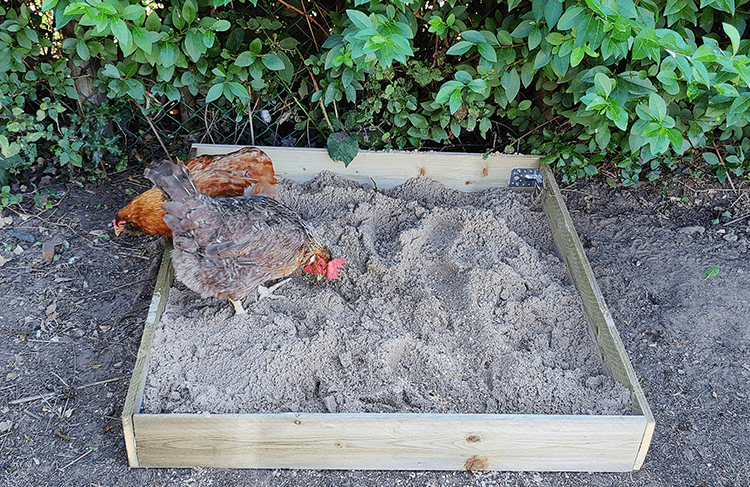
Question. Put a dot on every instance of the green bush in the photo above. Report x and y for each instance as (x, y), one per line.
(643, 87)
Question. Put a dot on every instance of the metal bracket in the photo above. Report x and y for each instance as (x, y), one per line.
(525, 177)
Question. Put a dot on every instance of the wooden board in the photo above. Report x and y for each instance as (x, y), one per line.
(461, 171)
(403, 441)
(390, 441)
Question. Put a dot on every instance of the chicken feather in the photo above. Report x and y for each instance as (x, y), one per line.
(228, 247)
(215, 175)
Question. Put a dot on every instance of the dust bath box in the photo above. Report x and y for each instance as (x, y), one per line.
(386, 441)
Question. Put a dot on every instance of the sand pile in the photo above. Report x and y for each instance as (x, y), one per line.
(448, 302)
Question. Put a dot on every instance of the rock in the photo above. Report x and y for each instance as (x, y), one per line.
(48, 251)
(693, 229)
(25, 236)
(730, 237)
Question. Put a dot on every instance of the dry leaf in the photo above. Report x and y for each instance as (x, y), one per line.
(105, 328)
(95, 366)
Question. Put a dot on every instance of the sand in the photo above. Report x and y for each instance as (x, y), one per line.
(449, 302)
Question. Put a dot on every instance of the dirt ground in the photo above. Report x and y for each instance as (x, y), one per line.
(71, 326)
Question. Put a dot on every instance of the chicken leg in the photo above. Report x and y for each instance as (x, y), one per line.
(238, 309)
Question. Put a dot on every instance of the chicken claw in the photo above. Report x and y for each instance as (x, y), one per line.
(267, 292)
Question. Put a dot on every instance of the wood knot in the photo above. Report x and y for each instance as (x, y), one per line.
(297, 421)
(475, 463)
(473, 438)
(338, 444)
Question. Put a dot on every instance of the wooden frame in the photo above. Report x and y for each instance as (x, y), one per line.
(403, 441)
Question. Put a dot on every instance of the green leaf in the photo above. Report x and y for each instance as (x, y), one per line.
(473, 36)
(82, 50)
(193, 45)
(221, 25)
(239, 90)
(511, 82)
(477, 85)
(711, 158)
(739, 109)
(49, 4)
(570, 18)
(455, 101)
(214, 92)
(168, 54)
(734, 36)
(189, 11)
(133, 13)
(142, 39)
(121, 32)
(617, 114)
(487, 52)
(711, 272)
(657, 106)
(342, 147)
(153, 22)
(245, 58)
(359, 19)
(273, 62)
(552, 11)
(604, 83)
(463, 77)
(111, 71)
(459, 48)
(576, 56)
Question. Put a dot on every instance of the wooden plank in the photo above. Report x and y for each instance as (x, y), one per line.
(134, 398)
(390, 441)
(601, 323)
(462, 171)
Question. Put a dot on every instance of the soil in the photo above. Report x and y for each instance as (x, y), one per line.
(71, 326)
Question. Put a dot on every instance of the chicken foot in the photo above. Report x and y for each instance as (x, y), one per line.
(267, 292)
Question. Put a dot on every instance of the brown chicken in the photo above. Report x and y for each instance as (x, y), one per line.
(217, 176)
(228, 247)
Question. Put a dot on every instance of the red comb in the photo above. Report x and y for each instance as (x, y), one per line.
(332, 272)
(317, 267)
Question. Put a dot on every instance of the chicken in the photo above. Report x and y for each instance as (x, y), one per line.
(228, 247)
(217, 176)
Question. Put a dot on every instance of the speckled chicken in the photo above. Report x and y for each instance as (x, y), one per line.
(228, 247)
(215, 175)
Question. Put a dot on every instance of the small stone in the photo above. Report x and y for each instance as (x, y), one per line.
(48, 251)
(693, 229)
(730, 237)
(25, 236)
(18, 250)
(331, 404)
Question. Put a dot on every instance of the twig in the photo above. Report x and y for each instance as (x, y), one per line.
(738, 219)
(114, 289)
(156, 132)
(309, 18)
(52, 395)
(74, 461)
(721, 160)
(29, 413)
(106, 381)
(32, 398)
(61, 379)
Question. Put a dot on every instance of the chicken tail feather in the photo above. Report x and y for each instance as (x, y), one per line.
(174, 180)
